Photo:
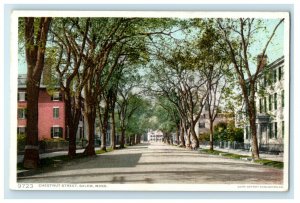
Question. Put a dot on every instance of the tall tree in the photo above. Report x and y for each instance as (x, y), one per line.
(126, 102)
(181, 79)
(71, 49)
(217, 70)
(35, 35)
(239, 35)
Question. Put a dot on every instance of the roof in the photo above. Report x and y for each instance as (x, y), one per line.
(22, 81)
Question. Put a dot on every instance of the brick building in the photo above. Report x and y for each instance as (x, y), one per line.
(51, 106)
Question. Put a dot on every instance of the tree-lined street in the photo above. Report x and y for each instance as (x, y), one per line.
(159, 163)
(133, 100)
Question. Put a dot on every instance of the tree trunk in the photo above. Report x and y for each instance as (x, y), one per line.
(90, 115)
(177, 133)
(195, 140)
(252, 118)
(122, 139)
(103, 137)
(72, 122)
(35, 46)
(135, 139)
(113, 131)
(188, 136)
(182, 141)
(90, 149)
(103, 126)
(211, 137)
(250, 103)
(31, 156)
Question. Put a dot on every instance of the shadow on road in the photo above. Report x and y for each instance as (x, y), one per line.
(106, 161)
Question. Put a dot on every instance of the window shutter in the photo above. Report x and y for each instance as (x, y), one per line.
(51, 97)
(52, 132)
(25, 96)
(25, 112)
(60, 97)
(18, 96)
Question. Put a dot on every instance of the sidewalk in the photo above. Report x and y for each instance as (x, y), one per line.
(247, 153)
(52, 154)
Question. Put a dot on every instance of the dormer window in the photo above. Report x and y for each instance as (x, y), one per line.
(22, 96)
(56, 96)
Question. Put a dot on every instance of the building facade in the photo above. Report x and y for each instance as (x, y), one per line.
(155, 136)
(270, 105)
(203, 124)
(51, 113)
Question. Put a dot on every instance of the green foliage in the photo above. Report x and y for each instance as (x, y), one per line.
(204, 137)
(21, 141)
(266, 162)
(164, 116)
(208, 151)
(276, 164)
(138, 122)
(228, 132)
(101, 151)
(46, 140)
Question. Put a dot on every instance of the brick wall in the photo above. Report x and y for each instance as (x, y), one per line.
(46, 119)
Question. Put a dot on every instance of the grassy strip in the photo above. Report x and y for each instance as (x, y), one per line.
(101, 151)
(266, 162)
(235, 156)
(208, 151)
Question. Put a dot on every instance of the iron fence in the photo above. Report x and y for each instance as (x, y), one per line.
(268, 148)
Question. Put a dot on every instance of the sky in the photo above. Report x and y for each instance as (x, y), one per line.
(274, 51)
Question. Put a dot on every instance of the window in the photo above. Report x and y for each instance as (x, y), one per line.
(275, 75)
(275, 130)
(55, 112)
(21, 130)
(270, 103)
(56, 132)
(270, 130)
(282, 98)
(201, 125)
(270, 77)
(247, 132)
(265, 104)
(275, 101)
(206, 107)
(279, 73)
(282, 129)
(80, 132)
(22, 113)
(260, 106)
(22, 96)
(56, 96)
(265, 81)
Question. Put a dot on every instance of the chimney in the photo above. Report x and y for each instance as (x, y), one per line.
(263, 59)
(46, 75)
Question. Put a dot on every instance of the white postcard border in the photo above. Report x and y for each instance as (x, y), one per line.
(141, 187)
